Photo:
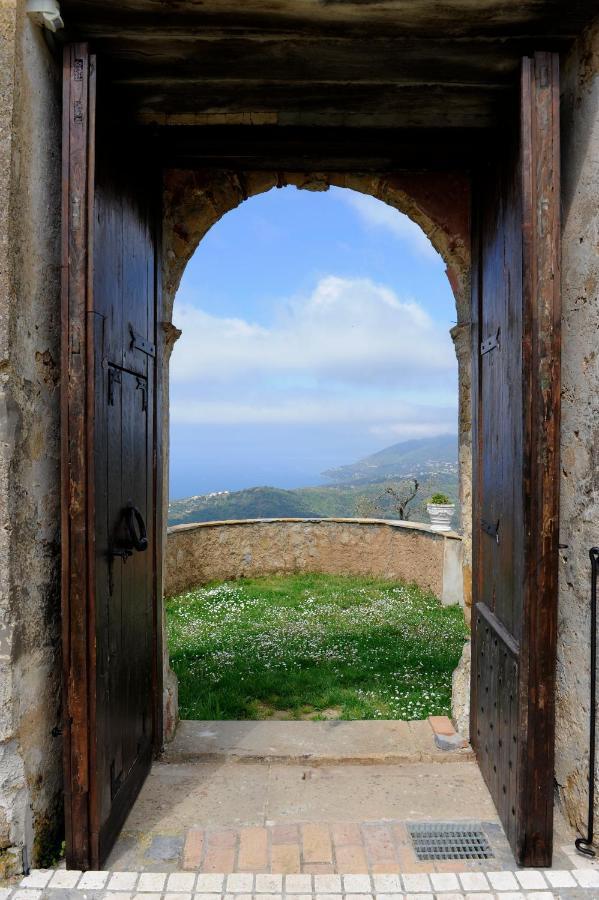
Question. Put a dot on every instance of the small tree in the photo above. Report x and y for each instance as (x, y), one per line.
(394, 499)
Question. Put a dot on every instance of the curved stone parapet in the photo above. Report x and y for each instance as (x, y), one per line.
(408, 551)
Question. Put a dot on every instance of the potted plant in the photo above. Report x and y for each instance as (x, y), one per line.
(440, 510)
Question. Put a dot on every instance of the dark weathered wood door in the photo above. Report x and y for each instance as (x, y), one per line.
(110, 623)
(516, 381)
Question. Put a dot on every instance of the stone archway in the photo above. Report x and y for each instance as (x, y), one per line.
(194, 200)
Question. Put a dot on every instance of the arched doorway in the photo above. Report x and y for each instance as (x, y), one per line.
(358, 320)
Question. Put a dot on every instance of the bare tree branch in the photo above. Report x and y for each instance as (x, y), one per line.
(395, 499)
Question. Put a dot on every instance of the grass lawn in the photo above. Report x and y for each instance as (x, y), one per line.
(313, 646)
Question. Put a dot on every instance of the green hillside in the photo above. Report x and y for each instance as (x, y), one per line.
(424, 458)
(335, 500)
(433, 461)
(252, 503)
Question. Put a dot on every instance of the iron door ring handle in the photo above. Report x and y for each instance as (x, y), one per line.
(134, 518)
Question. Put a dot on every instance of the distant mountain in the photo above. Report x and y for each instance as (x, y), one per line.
(433, 461)
(422, 458)
(252, 503)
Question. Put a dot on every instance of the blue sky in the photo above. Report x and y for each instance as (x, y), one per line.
(315, 331)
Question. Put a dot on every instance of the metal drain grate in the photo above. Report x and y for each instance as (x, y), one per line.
(449, 840)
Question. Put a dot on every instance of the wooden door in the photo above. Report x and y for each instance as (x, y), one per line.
(516, 382)
(111, 627)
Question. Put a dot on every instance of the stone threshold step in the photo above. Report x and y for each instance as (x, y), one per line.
(337, 742)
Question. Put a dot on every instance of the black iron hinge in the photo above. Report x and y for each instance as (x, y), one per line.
(490, 529)
(114, 377)
(490, 343)
(142, 386)
(139, 342)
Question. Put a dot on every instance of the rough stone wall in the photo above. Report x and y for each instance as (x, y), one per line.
(197, 554)
(579, 521)
(30, 758)
(461, 334)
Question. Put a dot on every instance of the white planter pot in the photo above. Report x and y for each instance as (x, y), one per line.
(440, 515)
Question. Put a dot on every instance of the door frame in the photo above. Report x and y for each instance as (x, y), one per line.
(77, 457)
(77, 436)
(542, 363)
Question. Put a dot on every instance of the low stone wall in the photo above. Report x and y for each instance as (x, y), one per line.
(217, 551)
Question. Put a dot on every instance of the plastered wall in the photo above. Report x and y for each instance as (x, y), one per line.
(30, 757)
(579, 521)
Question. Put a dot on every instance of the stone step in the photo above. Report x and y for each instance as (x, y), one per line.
(311, 743)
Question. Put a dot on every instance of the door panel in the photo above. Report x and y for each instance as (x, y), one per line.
(124, 608)
(109, 302)
(124, 475)
(516, 353)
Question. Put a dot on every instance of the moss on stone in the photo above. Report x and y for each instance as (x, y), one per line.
(11, 863)
(48, 844)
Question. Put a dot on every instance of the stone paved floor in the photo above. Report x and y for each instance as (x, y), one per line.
(290, 819)
(490, 885)
(225, 803)
(317, 798)
(224, 817)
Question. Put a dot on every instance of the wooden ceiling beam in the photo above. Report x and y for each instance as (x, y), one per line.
(147, 34)
(202, 82)
(296, 104)
(450, 64)
(317, 149)
(423, 18)
(379, 61)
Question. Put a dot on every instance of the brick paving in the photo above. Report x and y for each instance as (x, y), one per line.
(319, 848)
(527, 884)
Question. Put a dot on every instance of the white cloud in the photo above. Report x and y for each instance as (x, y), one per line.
(385, 415)
(410, 429)
(376, 214)
(350, 353)
(348, 330)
